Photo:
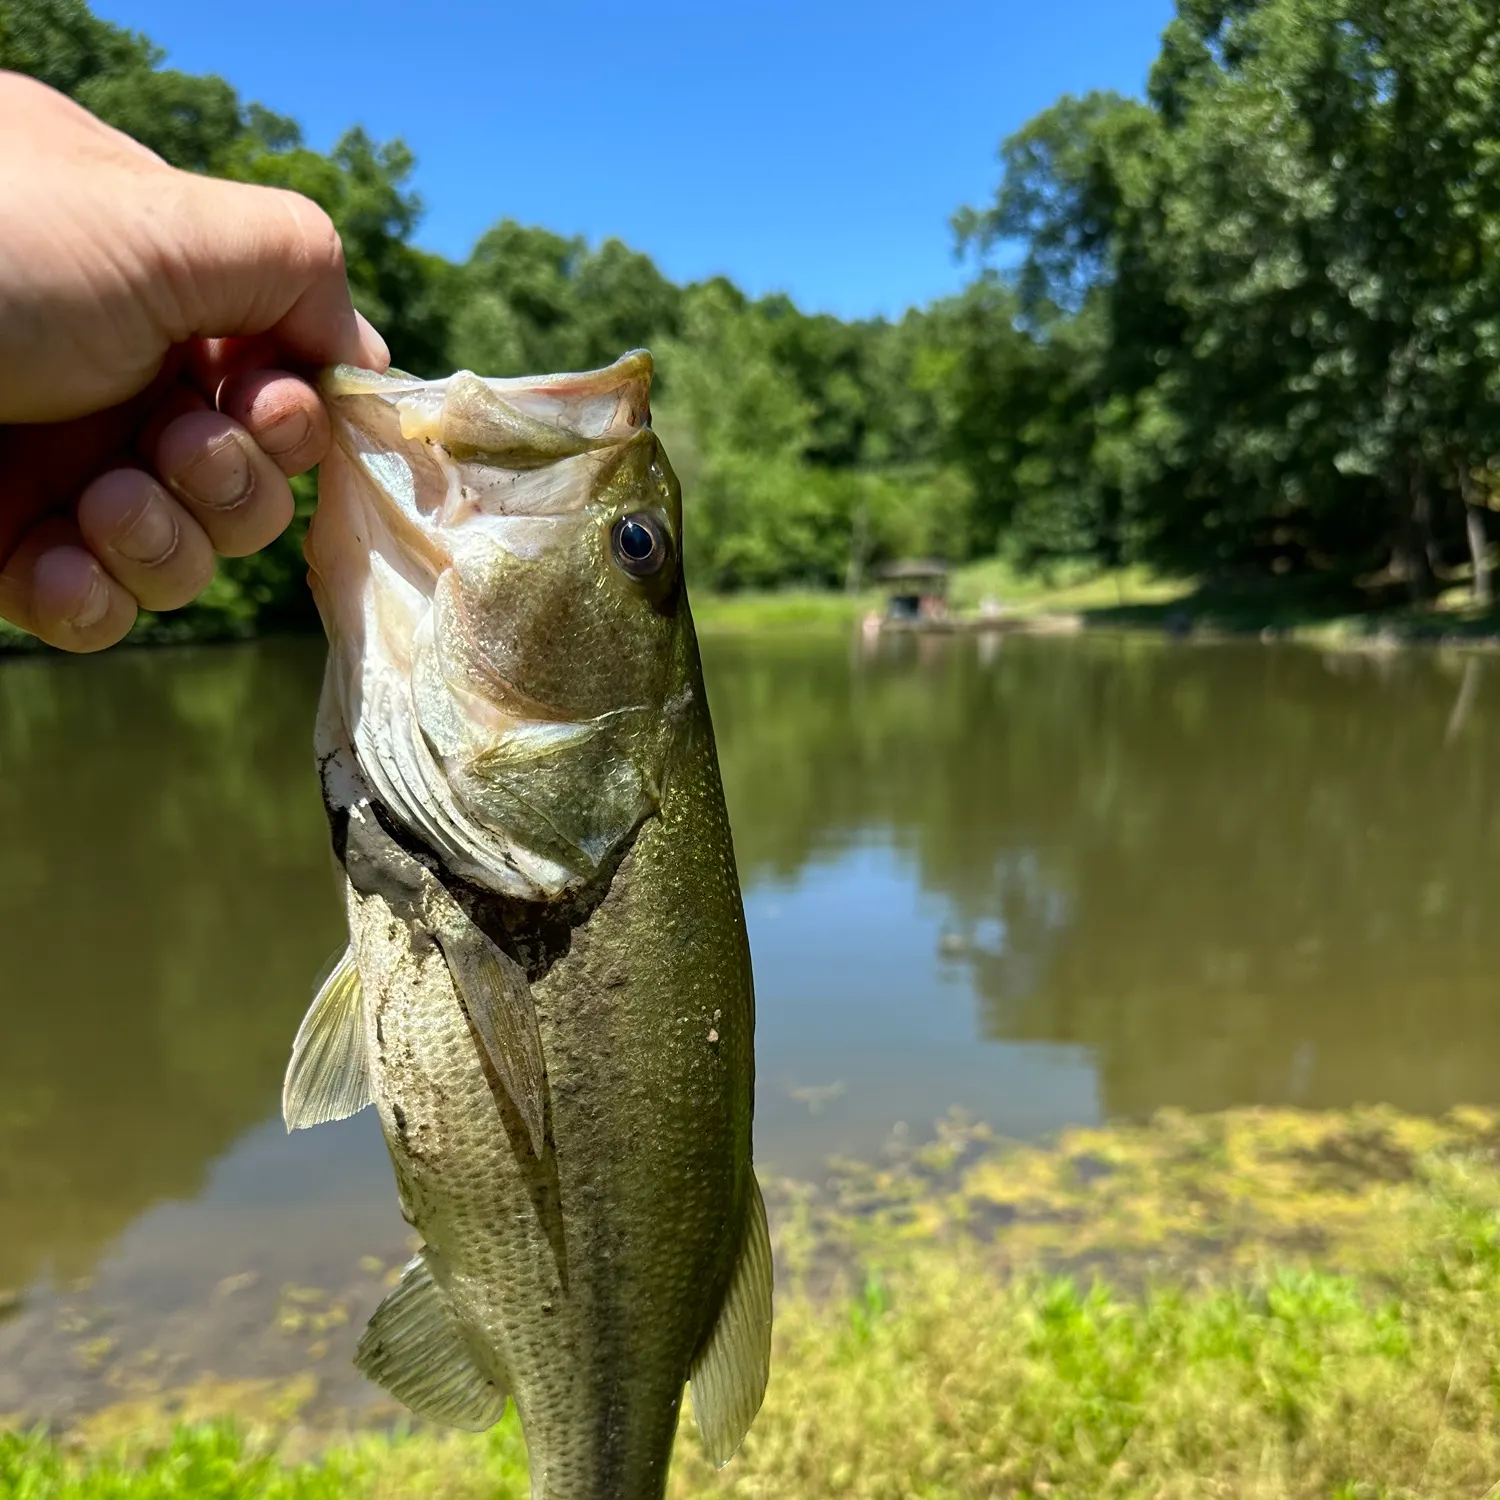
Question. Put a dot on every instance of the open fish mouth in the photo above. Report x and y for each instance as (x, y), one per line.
(461, 533)
(439, 450)
(527, 421)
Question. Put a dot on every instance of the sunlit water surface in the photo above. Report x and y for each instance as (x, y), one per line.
(1045, 881)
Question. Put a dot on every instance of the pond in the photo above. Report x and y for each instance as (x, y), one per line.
(1045, 881)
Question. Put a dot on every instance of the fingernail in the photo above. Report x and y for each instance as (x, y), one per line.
(220, 477)
(377, 354)
(152, 537)
(95, 604)
(285, 434)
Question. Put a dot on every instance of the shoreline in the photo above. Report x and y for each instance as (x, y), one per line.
(989, 599)
(1130, 1309)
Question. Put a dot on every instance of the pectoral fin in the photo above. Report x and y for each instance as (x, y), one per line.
(414, 1349)
(730, 1372)
(492, 986)
(329, 1075)
(497, 999)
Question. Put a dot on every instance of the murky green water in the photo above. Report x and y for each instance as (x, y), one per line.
(1046, 880)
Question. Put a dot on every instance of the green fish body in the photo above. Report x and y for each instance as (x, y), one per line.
(547, 994)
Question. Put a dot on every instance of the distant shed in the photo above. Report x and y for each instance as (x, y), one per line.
(916, 589)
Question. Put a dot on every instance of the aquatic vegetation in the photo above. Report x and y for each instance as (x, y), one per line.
(1298, 1305)
(1182, 1195)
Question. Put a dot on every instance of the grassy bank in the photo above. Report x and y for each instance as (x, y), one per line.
(783, 609)
(1253, 1304)
(1305, 609)
(1313, 610)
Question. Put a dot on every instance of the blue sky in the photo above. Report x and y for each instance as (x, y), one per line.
(811, 148)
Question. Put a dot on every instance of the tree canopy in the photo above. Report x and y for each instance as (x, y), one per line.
(1274, 289)
(1250, 322)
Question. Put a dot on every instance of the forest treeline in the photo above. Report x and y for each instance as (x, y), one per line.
(1247, 323)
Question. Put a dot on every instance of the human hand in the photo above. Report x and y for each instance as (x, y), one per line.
(144, 422)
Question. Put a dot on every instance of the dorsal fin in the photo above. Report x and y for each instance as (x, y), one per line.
(329, 1075)
(415, 1349)
(730, 1371)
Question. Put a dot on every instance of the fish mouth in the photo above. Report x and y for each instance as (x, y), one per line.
(527, 420)
(428, 482)
(437, 452)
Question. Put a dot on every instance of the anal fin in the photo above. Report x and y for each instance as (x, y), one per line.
(730, 1371)
(329, 1074)
(414, 1349)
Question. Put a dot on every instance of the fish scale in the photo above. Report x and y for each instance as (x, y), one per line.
(553, 1012)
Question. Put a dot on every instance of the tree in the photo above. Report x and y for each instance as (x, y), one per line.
(62, 43)
(814, 446)
(1275, 285)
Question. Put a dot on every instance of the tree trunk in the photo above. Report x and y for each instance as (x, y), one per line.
(1411, 558)
(1479, 547)
(859, 546)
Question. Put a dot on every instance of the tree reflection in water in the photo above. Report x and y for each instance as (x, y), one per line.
(165, 897)
(1237, 873)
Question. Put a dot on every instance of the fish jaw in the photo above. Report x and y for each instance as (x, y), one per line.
(594, 404)
(452, 514)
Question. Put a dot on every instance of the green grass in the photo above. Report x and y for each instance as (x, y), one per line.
(1067, 590)
(1310, 608)
(1305, 1306)
(780, 609)
(938, 1382)
(1313, 609)
(1062, 589)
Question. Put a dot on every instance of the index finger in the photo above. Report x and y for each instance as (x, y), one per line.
(236, 259)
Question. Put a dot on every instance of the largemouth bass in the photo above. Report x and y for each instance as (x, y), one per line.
(547, 992)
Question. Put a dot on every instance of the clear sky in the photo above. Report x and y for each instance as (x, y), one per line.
(813, 148)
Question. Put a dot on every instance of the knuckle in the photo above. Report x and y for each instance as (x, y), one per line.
(321, 248)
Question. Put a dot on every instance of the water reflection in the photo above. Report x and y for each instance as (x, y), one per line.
(164, 896)
(1046, 879)
(1235, 874)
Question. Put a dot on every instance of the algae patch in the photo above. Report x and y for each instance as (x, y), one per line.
(1258, 1303)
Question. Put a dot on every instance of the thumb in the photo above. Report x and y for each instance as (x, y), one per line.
(236, 259)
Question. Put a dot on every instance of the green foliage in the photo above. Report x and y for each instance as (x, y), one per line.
(65, 45)
(800, 473)
(1249, 323)
(191, 121)
(1261, 309)
(532, 300)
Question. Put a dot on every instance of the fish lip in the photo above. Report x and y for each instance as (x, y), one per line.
(634, 369)
(552, 417)
(335, 382)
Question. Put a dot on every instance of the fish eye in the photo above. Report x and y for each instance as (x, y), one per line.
(640, 545)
